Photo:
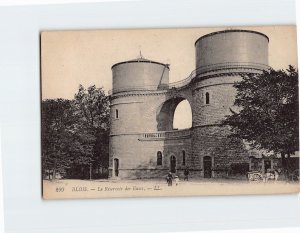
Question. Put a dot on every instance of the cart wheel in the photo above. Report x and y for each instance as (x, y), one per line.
(257, 177)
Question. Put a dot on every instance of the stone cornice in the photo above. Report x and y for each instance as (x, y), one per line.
(238, 72)
(139, 93)
(198, 78)
(173, 134)
(230, 31)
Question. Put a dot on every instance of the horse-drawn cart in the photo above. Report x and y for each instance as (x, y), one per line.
(255, 176)
(259, 176)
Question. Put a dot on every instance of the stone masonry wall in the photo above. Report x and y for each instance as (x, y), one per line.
(138, 158)
(213, 141)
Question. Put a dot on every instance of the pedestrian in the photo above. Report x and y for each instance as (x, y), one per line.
(186, 174)
(176, 179)
(169, 179)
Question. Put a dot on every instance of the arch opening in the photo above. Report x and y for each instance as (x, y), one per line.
(182, 116)
(159, 158)
(174, 114)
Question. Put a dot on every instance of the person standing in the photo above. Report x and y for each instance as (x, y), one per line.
(176, 179)
(169, 179)
(186, 174)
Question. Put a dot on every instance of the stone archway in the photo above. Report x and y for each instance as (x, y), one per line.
(165, 113)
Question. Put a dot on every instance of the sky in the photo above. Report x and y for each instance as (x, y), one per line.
(70, 58)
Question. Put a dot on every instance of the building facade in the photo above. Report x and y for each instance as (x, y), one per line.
(143, 142)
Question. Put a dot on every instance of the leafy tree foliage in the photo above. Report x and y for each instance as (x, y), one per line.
(75, 133)
(269, 112)
(57, 128)
(92, 107)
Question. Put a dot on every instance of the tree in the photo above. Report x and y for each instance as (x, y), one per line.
(92, 107)
(75, 133)
(57, 128)
(269, 112)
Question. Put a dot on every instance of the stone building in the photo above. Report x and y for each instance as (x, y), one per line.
(143, 142)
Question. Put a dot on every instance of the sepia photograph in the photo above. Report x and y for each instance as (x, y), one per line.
(169, 112)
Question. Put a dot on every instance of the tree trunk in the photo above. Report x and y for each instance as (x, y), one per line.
(54, 170)
(288, 165)
(283, 162)
(91, 171)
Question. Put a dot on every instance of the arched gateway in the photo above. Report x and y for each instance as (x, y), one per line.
(143, 103)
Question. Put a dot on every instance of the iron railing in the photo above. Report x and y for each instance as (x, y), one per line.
(166, 134)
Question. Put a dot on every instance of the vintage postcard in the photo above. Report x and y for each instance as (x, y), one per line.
(169, 112)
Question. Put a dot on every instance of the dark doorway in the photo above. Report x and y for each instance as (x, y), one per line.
(207, 164)
(267, 165)
(173, 164)
(116, 167)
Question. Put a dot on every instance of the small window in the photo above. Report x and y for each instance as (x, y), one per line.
(183, 158)
(117, 114)
(207, 100)
(159, 158)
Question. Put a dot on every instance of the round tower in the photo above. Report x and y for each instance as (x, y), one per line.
(221, 58)
(231, 49)
(132, 112)
(139, 74)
